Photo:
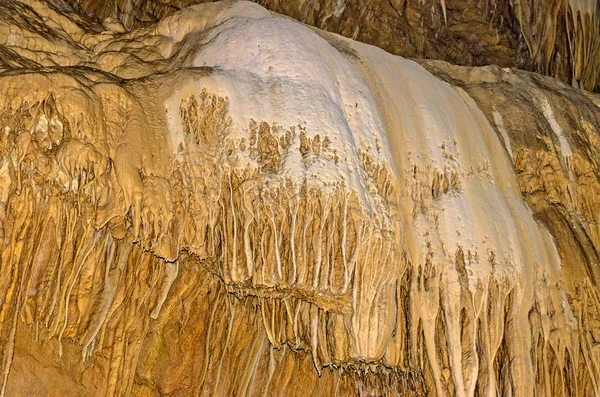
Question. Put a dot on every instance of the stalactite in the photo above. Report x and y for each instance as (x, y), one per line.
(287, 202)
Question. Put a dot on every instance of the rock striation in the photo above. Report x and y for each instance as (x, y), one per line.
(229, 202)
(559, 38)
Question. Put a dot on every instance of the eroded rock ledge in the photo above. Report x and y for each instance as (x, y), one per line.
(231, 203)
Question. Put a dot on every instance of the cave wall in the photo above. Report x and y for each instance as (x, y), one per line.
(559, 38)
(232, 203)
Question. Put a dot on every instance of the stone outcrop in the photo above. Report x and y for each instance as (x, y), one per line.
(229, 202)
(559, 38)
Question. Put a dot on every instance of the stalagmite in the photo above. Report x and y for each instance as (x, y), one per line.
(229, 202)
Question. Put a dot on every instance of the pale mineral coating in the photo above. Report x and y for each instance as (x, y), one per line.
(232, 203)
(559, 38)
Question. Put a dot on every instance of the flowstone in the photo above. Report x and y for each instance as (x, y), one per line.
(232, 203)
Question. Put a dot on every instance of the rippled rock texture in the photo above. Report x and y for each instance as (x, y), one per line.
(232, 203)
(559, 38)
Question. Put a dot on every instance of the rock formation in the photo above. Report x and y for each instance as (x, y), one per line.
(232, 203)
(559, 38)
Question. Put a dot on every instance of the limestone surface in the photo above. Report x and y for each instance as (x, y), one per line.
(559, 38)
(229, 202)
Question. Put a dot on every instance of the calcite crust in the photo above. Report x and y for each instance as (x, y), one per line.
(232, 203)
